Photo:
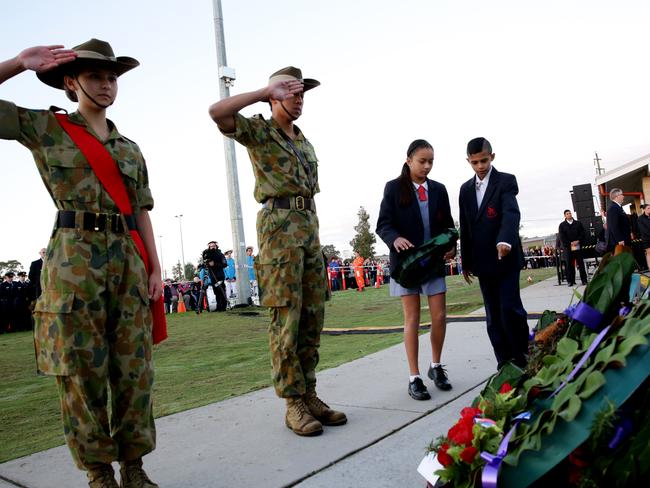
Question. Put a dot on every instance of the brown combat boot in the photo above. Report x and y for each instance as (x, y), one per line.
(133, 476)
(321, 411)
(300, 420)
(101, 476)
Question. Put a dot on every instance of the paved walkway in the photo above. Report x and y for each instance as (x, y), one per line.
(243, 441)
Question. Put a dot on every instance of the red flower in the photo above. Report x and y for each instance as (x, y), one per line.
(469, 412)
(468, 454)
(444, 458)
(505, 388)
(461, 433)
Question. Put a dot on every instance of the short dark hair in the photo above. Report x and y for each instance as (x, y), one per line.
(567, 210)
(478, 145)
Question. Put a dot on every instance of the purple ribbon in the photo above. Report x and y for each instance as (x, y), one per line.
(585, 314)
(491, 469)
(623, 429)
(599, 338)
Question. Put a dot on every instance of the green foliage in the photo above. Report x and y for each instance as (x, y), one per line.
(364, 240)
(330, 251)
(12, 265)
(190, 270)
(177, 272)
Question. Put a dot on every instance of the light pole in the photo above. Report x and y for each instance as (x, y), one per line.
(226, 80)
(180, 226)
(162, 265)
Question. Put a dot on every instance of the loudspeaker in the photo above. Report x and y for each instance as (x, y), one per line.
(583, 201)
(593, 226)
(582, 193)
(584, 210)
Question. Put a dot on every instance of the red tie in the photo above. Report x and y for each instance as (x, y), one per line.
(422, 194)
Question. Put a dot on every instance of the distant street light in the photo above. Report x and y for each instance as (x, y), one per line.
(162, 264)
(180, 226)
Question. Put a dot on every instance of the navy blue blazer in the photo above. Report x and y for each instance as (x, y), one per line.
(496, 221)
(618, 227)
(395, 221)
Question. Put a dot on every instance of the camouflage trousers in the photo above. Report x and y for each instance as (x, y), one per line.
(291, 277)
(93, 332)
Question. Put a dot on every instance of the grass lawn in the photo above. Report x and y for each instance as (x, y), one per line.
(207, 358)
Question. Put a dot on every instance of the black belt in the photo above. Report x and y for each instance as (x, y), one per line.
(99, 222)
(294, 203)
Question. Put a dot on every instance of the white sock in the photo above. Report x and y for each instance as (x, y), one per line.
(412, 378)
(435, 365)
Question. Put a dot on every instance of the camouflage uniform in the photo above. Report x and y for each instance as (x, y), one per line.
(92, 321)
(289, 266)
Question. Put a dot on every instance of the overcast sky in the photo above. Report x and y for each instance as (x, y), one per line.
(548, 83)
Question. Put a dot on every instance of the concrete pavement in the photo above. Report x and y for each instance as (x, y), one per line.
(243, 441)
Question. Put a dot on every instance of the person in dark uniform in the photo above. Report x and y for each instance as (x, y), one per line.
(572, 235)
(22, 300)
(644, 232)
(35, 275)
(7, 299)
(619, 230)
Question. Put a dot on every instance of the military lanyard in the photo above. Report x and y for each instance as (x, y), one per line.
(303, 162)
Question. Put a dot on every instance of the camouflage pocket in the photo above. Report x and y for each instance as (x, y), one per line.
(72, 179)
(278, 276)
(54, 333)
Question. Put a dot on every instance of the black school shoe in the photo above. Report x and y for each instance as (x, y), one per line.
(417, 390)
(439, 377)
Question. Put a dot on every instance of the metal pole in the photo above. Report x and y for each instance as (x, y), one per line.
(180, 226)
(226, 79)
(162, 265)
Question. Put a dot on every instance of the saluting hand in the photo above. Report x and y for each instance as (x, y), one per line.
(43, 58)
(281, 90)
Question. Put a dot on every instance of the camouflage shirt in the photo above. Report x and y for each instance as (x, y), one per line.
(68, 177)
(277, 168)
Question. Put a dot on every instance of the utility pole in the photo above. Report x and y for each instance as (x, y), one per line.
(180, 226)
(226, 80)
(597, 160)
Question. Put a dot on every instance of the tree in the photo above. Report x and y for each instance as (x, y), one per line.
(190, 269)
(12, 265)
(330, 251)
(364, 240)
(177, 272)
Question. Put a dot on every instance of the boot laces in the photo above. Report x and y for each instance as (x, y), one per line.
(317, 403)
(136, 474)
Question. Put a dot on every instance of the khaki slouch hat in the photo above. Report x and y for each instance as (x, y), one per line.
(92, 53)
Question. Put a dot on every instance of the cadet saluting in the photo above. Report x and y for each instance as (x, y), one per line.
(290, 267)
(93, 323)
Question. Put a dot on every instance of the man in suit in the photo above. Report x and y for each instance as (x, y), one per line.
(618, 225)
(491, 250)
(572, 233)
(35, 275)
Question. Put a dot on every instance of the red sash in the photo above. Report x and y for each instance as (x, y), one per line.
(105, 168)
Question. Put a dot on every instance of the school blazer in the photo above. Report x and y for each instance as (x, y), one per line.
(496, 221)
(395, 221)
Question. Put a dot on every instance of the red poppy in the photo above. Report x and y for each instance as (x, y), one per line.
(469, 412)
(461, 433)
(444, 458)
(505, 388)
(468, 454)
